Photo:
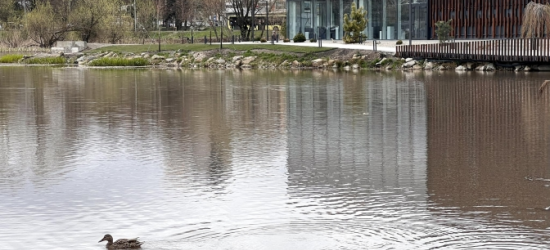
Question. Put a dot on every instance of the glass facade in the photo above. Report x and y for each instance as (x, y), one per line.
(387, 19)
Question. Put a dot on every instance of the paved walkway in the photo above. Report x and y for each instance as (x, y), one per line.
(382, 45)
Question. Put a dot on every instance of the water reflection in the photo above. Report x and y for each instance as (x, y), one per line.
(488, 143)
(272, 159)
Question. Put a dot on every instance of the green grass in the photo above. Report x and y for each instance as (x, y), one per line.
(10, 58)
(204, 47)
(106, 61)
(46, 60)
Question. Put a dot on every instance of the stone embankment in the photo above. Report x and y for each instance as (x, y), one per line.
(338, 58)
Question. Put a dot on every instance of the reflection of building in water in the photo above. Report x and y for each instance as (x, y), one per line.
(347, 134)
(486, 134)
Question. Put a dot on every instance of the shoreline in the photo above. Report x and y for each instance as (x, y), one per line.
(338, 58)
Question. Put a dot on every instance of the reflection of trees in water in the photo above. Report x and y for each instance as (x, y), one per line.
(29, 144)
(486, 133)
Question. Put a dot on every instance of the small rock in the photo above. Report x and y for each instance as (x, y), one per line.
(169, 60)
(220, 61)
(154, 57)
(408, 60)
(490, 67)
(355, 66)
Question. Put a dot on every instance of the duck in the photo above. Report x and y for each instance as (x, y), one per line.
(121, 243)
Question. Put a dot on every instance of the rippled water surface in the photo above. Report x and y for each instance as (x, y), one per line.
(273, 159)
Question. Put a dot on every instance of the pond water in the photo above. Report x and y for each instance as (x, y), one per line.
(273, 159)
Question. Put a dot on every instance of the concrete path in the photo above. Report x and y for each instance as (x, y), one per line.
(382, 45)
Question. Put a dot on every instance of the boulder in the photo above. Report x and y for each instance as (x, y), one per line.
(220, 61)
(318, 62)
(199, 56)
(480, 68)
(381, 62)
(355, 66)
(236, 58)
(490, 67)
(154, 57)
(429, 66)
(296, 64)
(408, 60)
(409, 64)
(248, 59)
(544, 67)
(460, 68)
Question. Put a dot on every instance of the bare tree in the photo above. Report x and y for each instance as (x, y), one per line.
(211, 9)
(44, 26)
(87, 17)
(243, 10)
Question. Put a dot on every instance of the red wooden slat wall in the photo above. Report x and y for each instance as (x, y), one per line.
(480, 19)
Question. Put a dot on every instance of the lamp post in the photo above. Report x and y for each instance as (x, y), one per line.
(158, 24)
(267, 20)
(221, 25)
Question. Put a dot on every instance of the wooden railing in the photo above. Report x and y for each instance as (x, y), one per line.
(507, 50)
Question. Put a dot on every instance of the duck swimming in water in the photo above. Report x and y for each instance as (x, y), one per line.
(121, 243)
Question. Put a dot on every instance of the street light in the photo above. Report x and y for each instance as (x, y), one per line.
(221, 24)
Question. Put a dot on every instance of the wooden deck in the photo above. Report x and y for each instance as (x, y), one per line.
(532, 50)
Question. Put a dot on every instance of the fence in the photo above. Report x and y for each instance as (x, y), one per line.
(507, 50)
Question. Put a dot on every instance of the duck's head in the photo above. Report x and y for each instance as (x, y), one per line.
(108, 238)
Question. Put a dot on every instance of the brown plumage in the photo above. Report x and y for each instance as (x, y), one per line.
(121, 243)
(543, 85)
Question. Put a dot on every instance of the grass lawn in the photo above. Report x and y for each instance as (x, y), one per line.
(204, 47)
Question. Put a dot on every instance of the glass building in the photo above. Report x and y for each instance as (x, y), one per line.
(387, 19)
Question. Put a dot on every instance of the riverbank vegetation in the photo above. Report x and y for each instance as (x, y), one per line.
(119, 62)
(46, 60)
(11, 58)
